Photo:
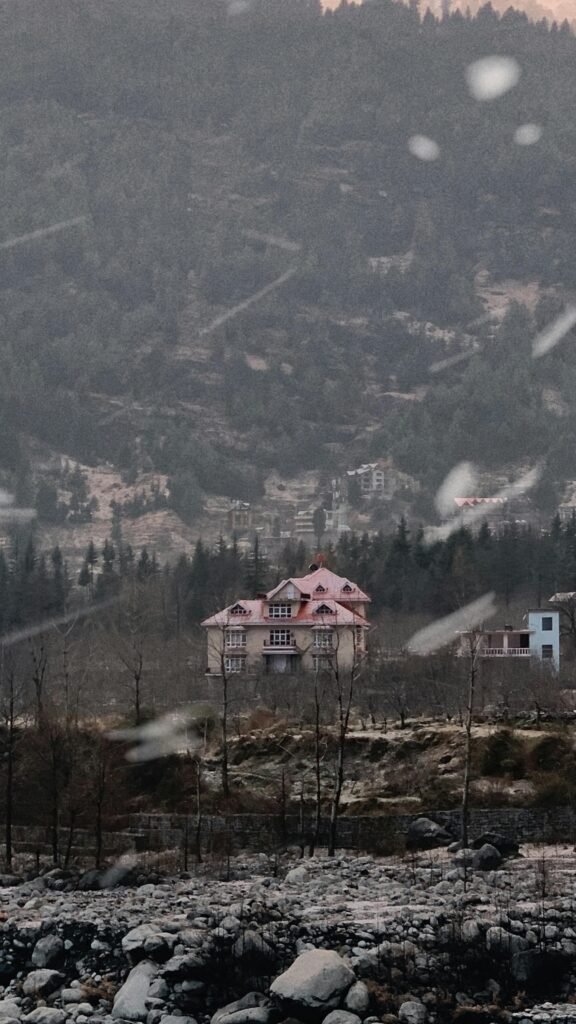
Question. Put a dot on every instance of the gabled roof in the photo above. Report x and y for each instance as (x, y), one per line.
(333, 586)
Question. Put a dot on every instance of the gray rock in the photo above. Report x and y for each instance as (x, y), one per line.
(251, 946)
(342, 1017)
(506, 847)
(42, 982)
(296, 876)
(48, 951)
(486, 858)
(503, 943)
(253, 1008)
(46, 1015)
(412, 1012)
(130, 1000)
(145, 941)
(315, 982)
(169, 1019)
(8, 1008)
(357, 998)
(179, 968)
(425, 834)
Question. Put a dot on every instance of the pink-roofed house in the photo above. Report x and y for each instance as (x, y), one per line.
(302, 625)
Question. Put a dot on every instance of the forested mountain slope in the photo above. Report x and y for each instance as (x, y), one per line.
(206, 150)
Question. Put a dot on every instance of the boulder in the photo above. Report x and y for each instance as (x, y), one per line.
(250, 946)
(184, 966)
(90, 881)
(8, 1008)
(42, 982)
(412, 1012)
(425, 834)
(486, 858)
(130, 1002)
(342, 1017)
(315, 983)
(499, 942)
(7, 881)
(297, 875)
(170, 1019)
(254, 1008)
(357, 998)
(46, 1015)
(146, 942)
(48, 951)
(506, 847)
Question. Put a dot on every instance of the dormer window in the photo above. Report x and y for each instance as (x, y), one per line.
(280, 611)
(320, 589)
(346, 589)
(239, 609)
(323, 609)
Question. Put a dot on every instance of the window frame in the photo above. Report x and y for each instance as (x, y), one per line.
(279, 610)
(276, 641)
(239, 638)
(234, 663)
(545, 620)
(549, 655)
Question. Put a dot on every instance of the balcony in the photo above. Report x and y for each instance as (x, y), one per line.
(506, 652)
(268, 648)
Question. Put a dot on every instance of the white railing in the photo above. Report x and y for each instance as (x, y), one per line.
(506, 652)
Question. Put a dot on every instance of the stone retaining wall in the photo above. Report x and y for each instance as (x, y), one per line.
(259, 832)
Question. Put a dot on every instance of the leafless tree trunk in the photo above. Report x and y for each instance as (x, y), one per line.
(39, 657)
(198, 812)
(10, 724)
(344, 682)
(317, 765)
(474, 639)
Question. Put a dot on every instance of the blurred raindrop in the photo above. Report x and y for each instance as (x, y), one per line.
(554, 333)
(424, 148)
(492, 77)
(528, 134)
(439, 634)
(460, 481)
(175, 732)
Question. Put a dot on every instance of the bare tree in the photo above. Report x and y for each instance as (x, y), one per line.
(39, 657)
(473, 641)
(11, 705)
(344, 679)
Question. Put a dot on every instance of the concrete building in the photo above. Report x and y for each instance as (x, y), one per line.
(540, 638)
(302, 625)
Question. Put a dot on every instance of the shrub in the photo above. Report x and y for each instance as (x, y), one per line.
(549, 754)
(503, 754)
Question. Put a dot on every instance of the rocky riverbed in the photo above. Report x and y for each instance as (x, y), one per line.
(346, 940)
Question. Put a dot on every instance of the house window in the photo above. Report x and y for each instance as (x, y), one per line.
(238, 609)
(234, 638)
(320, 662)
(346, 589)
(323, 609)
(323, 638)
(280, 638)
(234, 664)
(280, 611)
(547, 623)
(320, 589)
(547, 652)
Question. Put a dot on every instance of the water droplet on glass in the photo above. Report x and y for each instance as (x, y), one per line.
(492, 77)
(527, 135)
(423, 148)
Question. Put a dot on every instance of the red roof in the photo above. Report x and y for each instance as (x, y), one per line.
(334, 586)
(334, 596)
(471, 502)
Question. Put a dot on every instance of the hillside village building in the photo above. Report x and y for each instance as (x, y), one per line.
(302, 625)
(539, 639)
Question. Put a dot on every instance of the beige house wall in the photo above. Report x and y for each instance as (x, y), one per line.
(257, 637)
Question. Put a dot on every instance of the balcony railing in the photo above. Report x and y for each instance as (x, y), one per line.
(506, 652)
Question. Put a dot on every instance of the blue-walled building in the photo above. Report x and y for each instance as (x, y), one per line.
(539, 638)
(544, 628)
